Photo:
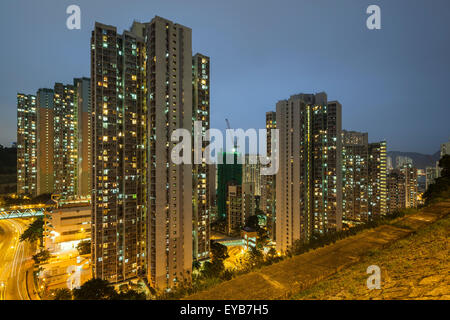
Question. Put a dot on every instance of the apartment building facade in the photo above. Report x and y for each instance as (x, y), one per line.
(45, 141)
(118, 124)
(62, 140)
(355, 175)
(409, 173)
(203, 174)
(268, 182)
(235, 213)
(26, 145)
(84, 152)
(65, 142)
(377, 190)
(150, 215)
(309, 180)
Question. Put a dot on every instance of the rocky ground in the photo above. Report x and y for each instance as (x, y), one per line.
(417, 267)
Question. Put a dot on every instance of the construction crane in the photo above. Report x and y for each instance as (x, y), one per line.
(228, 123)
(234, 140)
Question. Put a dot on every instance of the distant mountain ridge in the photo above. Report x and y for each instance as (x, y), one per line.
(420, 160)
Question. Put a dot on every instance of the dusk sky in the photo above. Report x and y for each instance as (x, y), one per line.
(392, 83)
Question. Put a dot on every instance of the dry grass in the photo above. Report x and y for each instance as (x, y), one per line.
(416, 267)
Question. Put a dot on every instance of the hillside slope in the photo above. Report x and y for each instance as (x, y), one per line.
(282, 280)
(417, 267)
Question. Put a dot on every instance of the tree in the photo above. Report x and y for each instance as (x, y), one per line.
(43, 198)
(256, 257)
(196, 265)
(216, 267)
(62, 294)
(272, 253)
(34, 231)
(441, 186)
(298, 247)
(130, 295)
(253, 222)
(42, 256)
(227, 275)
(84, 247)
(218, 251)
(262, 239)
(95, 289)
(444, 163)
(272, 256)
(213, 269)
(219, 225)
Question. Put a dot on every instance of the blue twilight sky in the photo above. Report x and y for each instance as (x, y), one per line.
(392, 83)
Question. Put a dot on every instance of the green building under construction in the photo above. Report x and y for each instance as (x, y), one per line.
(227, 174)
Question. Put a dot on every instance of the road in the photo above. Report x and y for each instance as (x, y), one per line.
(14, 260)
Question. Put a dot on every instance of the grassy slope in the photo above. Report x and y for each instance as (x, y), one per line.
(417, 267)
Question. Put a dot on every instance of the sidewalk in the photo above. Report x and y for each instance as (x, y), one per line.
(31, 289)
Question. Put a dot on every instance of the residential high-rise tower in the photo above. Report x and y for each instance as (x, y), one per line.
(268, 182)
(202, 173)
(309, 180)
(84, 152)
(26, 145)
(119, 124)
(45, 141)
(377, 191)
(65, 147)
(355, 175)
(150, 215)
